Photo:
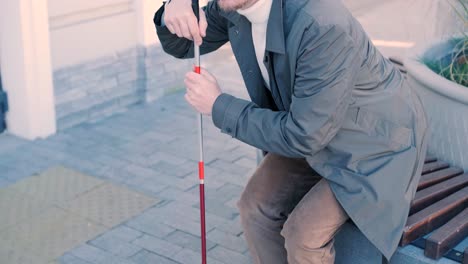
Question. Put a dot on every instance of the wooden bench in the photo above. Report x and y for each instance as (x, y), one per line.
(438, 218)
(439, 206)
(438, 221)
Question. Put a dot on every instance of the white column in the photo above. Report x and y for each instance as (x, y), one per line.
(26, 68)
(145, 10)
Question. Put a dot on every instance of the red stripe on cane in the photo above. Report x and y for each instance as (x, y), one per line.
(201, 170)
(197, 69)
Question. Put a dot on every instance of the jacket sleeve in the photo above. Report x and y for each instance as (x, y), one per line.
(327, 63)
(216, 34)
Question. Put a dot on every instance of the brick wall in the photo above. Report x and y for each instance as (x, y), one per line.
(97, 89)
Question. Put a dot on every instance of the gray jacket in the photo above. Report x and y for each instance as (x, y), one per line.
(335, 101)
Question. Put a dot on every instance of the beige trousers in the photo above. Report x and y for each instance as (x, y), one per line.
(289, 213)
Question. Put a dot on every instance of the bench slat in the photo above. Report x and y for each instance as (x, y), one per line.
(434, 216)
(436, 192)
(430, 159)
(438, 176)
(448, 236)
(434, 166)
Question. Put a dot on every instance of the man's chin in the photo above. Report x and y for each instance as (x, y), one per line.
(228, 6)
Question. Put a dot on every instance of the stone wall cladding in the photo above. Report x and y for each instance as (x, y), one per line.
(97, 89)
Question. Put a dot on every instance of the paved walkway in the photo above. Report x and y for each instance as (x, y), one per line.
(151, 149)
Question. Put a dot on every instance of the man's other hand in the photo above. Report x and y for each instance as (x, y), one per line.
(202, 91)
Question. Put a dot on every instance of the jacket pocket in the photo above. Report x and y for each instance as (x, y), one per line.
(397, 136)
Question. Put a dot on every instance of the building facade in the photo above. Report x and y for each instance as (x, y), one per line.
(65, 62)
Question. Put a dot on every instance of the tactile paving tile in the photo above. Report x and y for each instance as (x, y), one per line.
(57, 185)
(51, 233)
(110, 204)
(15, 207)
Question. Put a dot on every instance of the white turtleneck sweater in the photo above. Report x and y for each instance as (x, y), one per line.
(258, 15)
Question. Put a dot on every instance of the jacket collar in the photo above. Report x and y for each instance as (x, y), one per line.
(275, 31)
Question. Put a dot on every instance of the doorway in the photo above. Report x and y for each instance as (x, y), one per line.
(3, 107)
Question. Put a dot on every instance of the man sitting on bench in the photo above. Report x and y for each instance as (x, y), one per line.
(345, 135)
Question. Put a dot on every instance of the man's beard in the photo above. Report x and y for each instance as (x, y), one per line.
(232, 5)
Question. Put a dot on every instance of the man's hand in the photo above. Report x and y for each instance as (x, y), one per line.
(180, 20)
(202, 91)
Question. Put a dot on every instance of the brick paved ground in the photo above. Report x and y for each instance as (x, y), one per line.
(152, 149)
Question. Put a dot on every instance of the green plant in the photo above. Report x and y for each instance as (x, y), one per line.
(454, 66)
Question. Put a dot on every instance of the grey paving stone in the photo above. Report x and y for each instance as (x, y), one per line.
(147, 257)
(181, 171)
(232, 203)
(174, 194)
(188, 256)
(184, 183)
(231, 156)
(111, 149)
(228, 256)
(166, 157)
(47, 152)
(187, 240)
(228, 166)
(182, 224)
(238, 179)
(246, 162)
(182, 217)
(189, 151)
(149, 224)
(213, 181)
(7, 159)
(222, 194)
(113, 174)
(155, 135)
(227, 240)
(81, 164)
(115, 246)
(14, 175)
(4, 182)
(92, 138)
(218, 208)
(229, 190)
(233, 227)
(187, 218)
(158, 246)
(97, 256)
(71, 259)
(147, 185)
(90, 253)
(10, 142)
(20, 169)
(123, 233)
(176, 209)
